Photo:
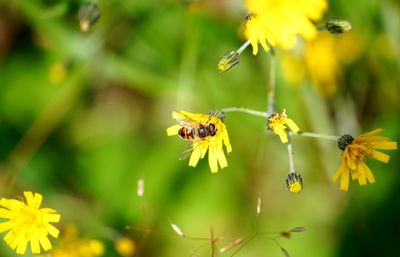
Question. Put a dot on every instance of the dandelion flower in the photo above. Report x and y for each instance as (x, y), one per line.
(279, 122)
(355, 152)
(294, 182)
(204, 132)
(28, 223)
(280, 22)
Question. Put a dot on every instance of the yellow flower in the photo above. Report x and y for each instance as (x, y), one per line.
(125, 246)
(355, 151)
(294, 182)
(204, 132)
(279, 122)
(280, 22)
(71, 245)
(28, 223)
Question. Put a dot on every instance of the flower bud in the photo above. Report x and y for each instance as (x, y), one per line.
(338, 26)
(294, 182)
(228, 60)
(89, 13)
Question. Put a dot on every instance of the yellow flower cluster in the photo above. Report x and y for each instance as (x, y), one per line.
(278, 23)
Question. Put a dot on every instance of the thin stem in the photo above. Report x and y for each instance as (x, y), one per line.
(244, 46)
(245, 110)
(290, 154)
(271, 85)
(316, 135)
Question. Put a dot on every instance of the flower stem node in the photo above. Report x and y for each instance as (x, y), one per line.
(294, 182)
(344, 141)
(229, 60)
(336, 26)
(356, 151)
(279, 122)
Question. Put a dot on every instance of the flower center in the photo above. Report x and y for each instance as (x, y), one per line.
(344, 141)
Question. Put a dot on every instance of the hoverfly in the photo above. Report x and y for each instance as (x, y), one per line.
(193, 130)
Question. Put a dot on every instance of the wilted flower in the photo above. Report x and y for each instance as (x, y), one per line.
(294, 182)
(279, 122)
(280, 22)
(28, 223)
(204, 132)
(355, 152)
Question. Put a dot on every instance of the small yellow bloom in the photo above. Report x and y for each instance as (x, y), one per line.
(294, 182)
(279, 122)
(229, 60)
(355, 151)
(125, 246)
(204, 132)
(28, 223)
(281, 22)
(71, 245)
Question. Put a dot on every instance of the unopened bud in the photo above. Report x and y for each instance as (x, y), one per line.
(228, 60)
(294, 182)
(89, 13)
(338, 26)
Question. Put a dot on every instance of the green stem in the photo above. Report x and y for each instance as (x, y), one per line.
(245, 110)
(316, 135)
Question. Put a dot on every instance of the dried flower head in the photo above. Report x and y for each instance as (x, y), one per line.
(279, 122)
(229, 60)
(356, 151)
(203, 132)
(336, 26)
(294, 182)
(28, 223)
(280, 22)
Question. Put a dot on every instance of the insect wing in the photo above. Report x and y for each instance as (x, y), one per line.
(187, 151)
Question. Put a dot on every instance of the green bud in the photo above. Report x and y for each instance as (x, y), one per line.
(228, 60)
(338, 26)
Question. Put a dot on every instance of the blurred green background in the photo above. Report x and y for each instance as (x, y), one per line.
(83, 118)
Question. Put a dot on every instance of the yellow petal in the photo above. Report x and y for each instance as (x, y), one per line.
(6, 225)
(173, 130)
(21, 248)
(222, 159)
(35, 247)
(254, 45)
(53, 217)
(52, 230)
(342, 168)
(344, 181)
(367, 172)
(282, 135)
(5, 214)
(195, 157)
(362, 178)
(379, 156)
(293, 127)
(212, 159)
(45, 243)
(385, 145)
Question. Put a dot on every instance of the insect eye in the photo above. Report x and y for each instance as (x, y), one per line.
(202, 131)
(213, 131)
